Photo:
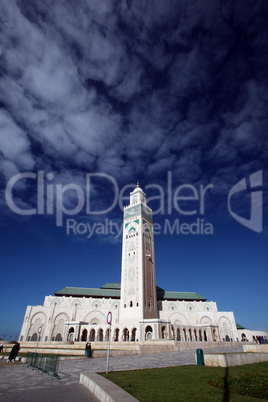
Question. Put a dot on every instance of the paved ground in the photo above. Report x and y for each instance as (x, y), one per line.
(18, 383)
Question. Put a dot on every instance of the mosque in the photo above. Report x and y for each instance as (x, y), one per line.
(140, 310)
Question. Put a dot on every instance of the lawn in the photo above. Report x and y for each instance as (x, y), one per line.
(191, 383)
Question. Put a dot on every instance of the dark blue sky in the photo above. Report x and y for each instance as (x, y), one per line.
(170, 93)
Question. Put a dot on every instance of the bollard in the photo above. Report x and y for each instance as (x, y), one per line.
(200, 357)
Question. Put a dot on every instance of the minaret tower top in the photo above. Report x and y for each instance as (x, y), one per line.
(137, 196)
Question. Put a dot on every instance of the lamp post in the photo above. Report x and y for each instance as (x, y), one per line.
(109, 321)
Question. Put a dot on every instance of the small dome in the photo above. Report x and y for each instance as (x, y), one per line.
(137, 188)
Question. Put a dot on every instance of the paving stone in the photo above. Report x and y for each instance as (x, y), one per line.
(18, 383)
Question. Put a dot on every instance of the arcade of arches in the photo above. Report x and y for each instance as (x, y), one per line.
(99, 334)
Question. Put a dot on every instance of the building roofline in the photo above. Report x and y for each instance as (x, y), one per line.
(112, 290)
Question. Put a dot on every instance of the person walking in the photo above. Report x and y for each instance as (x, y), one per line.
(14, 352)
(88, 350)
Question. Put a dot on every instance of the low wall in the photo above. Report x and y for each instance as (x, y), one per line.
(113, 353)
(233, 359)
(103, 389)
(255, 348)
(204, 345)
(117, 348)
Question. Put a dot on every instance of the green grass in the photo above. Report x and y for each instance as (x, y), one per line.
(252, 384)
(185, 383)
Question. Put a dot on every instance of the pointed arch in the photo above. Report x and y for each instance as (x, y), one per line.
(133, 334)
(178, 319)
(116, 334)
(100, 335)
(225, 328)
(95, 317)
(55, 301)
(58, 326)
(92, 335)
(39, 319)
(206, 320)
(148, 332)
(125, 334)
(84, 335)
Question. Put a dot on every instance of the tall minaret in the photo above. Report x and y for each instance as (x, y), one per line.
(138, 287)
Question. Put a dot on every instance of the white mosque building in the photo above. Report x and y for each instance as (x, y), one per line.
(140, 310)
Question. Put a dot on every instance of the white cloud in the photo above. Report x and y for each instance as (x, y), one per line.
(14, 144)
(128, 88)
(161, 165)
(8, 168)
(130, 84)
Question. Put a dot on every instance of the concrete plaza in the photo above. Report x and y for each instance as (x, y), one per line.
(18, 383)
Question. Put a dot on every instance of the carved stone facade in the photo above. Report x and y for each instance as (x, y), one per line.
(178, 320)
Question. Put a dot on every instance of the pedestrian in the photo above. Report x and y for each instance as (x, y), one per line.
(1, 346)
(14, 352)
(17, 350)
(88, 350)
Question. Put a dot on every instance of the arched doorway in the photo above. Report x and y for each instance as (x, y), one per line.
(133, 334)
(125, 335)
(100, 335)
(58, 338)
(116, 335)
(178, 334)
(148, 332)
(34, 337)
(71, 334)
(84, 335)
(92, 335)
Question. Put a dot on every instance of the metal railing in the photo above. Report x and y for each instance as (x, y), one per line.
(46, 364)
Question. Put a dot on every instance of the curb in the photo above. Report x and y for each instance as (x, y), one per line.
(103, 389)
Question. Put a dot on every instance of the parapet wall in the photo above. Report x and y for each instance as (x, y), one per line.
(233, 359)
(255, 348)
(117, 348)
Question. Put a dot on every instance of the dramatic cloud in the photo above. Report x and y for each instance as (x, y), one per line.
(14, 145)
(134, 88)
